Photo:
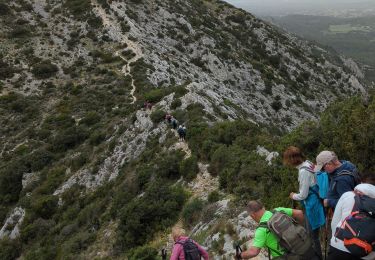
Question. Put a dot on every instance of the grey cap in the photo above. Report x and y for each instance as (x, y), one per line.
(323, 158)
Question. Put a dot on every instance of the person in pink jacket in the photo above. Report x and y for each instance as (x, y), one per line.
(179, 238)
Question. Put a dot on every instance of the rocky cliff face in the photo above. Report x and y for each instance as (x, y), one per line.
(73, 78)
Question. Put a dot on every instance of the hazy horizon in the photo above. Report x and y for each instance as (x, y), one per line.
(282, 7)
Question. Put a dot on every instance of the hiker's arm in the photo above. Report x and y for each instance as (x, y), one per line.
(304, 184)
(176, 252)
(203, 252)
(251, 252)
(298, 215)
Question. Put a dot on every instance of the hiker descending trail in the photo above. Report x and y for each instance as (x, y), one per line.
(308, 193)
(131, 47)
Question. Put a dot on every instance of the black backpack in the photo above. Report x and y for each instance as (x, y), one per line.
(191, 250)
(358, 229)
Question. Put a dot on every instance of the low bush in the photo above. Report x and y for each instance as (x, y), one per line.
(9, 249)
(44, 69)
(143, 253)
(45, 206)
(157, 116)
(189, 167)
(192, 212)
(159, 207)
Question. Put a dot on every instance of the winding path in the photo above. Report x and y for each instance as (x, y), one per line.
(114, 27)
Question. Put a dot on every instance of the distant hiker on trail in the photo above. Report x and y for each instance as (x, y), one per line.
(147, 105)
(181, 132)
(184, 133)
(343, 174)
(186, 248)
(308, 193)
(266, 238)
(174, 123)
(352, 215)
(168, 117)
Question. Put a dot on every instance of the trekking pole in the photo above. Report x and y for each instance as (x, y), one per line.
(164, 254)
(238, 251)
(326, 233)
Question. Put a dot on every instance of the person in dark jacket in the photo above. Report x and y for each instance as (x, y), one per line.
(343, 176)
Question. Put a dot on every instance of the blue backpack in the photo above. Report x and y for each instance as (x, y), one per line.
(323, 183)
(322, 180)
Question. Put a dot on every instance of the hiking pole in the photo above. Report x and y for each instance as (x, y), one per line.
(164, 254)
(326, 233)
(238, 251)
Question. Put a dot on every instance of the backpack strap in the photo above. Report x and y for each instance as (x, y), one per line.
(354, 174)
(265, 225)
(309, 169)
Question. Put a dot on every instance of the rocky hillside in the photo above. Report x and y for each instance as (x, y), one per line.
(86, 172)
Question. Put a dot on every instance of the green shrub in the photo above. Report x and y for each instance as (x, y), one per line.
(155, 95)
(192, 212)
(6, 70)
(176, 103)
(45, 206)
(9, 249)
(97, 137)
(143, 253)
(168, 166)
(189, 167)
(20, 31)
(39, 159)
(91, 118)
(4, 9)
(78, 7)
(42, 252)
(78, 243)
(69, 138)
(213, 196)
(276, 105)
(44, 69)
(157, 116)
(159, 207)
(11, 181)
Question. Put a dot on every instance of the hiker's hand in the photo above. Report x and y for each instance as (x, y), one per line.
(291, 195)
(325, 202)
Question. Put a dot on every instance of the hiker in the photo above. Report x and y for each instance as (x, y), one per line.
(147, 105)
(308, 193)
(344, 176)
(264, 238)
(344, 215)
(185, 247)
(184, 132)
(181, 133)
(174, 123)
(168, 117)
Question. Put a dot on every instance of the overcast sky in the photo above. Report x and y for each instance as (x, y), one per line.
(295, 6)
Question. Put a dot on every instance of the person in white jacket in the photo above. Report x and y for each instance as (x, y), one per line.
(308, 193)
(343, 209)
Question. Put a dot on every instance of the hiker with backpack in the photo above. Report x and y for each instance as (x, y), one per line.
(344, 176)
(279, 232)
(308, 193)
(185, 248)
(353, 224)
(181, 132)
(174, 123)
